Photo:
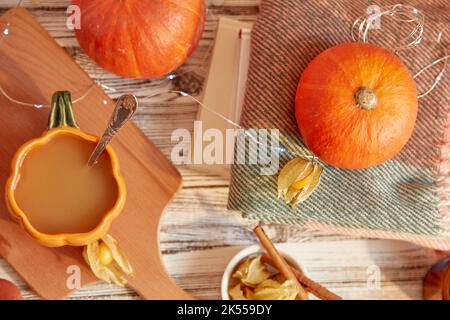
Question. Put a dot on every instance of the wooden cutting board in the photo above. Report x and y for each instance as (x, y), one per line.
(32, 67)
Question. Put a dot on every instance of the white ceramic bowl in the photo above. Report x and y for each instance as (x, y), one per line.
(248, 252)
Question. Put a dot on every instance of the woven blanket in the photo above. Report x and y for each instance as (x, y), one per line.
(405, 198)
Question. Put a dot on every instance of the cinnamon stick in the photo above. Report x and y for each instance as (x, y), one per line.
(279, 262)
(310, 285)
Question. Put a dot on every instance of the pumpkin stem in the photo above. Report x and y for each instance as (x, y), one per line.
(366, 98)
(61, 113)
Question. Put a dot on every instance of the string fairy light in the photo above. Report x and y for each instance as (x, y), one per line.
(408, 15)
(6, 32)
(400, 13)
(360, 31)
(234, 124)
(237, 126)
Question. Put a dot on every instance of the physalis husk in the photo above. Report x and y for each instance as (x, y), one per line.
(257, 282)
(115, 270)
(236, 293)
(241, 292)
(273, 290)
(252, 272)
(297, 180)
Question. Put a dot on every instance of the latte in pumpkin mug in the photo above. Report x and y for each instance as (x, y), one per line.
(60, 200)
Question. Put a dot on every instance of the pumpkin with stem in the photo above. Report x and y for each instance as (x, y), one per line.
(356, 105)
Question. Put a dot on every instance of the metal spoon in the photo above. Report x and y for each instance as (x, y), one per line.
(126, 106)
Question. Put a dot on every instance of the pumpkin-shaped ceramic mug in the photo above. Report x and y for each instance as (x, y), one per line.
(56, 199)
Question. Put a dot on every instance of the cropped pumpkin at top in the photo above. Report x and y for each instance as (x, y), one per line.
(140, 39)
(356, 105)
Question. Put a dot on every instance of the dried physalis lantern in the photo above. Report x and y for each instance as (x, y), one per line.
(252, 272)
(273, 290)
(298, 179)
(257, 282)
(237, 293)
(107, 261)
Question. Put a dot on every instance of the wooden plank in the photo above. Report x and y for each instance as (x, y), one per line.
(197, 222)
(344, 266)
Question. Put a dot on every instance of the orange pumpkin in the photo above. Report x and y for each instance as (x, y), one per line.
(356, 105)
(140, 38)
(9, 291)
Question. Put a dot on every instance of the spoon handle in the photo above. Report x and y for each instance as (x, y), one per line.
(125, 108)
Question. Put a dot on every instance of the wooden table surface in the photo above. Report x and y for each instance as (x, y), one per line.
(198, 235)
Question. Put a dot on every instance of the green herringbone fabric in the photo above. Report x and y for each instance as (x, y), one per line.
(401, 198)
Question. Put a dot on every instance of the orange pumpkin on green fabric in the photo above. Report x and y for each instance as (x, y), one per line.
(356, 105)
(140, 38)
